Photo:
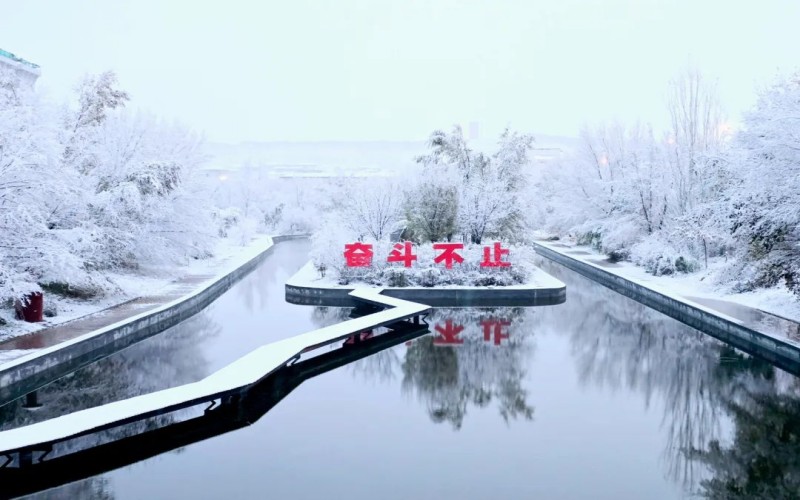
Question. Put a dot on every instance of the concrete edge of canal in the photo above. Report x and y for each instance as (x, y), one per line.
(782, 353)
(28, 373)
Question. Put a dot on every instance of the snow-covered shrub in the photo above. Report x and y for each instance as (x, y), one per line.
(226, 218)
(618, 238)
(243, 232)
(298, 219)
(327, 247)
(273, 217)
(659, 257)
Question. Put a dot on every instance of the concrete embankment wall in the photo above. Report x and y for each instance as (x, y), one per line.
(434, 297)
(783, 354)
(30, 373)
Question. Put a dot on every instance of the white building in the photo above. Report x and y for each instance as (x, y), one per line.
(27, 71)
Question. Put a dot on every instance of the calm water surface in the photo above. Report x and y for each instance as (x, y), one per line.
(598, 397)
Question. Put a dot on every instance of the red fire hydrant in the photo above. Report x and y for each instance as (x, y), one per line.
(31, 309)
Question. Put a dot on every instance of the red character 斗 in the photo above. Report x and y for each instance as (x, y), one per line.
(402, 252)
(359, 337)
(448, 334)
(448, 254)
(494, 326)
(495, 260)
(358, 254)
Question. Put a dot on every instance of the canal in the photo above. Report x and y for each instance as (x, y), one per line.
(598, 397)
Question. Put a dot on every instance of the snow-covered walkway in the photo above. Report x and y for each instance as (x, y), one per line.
(244, 372)
(99, 314)
(770, 312)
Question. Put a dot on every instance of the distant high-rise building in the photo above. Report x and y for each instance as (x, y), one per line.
(26, 70)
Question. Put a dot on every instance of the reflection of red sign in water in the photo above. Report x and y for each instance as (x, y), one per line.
(494, 326)
(359, 337)
(402, 252)
(448, 334)
(448, 254)
(358, 254)
(497, 259)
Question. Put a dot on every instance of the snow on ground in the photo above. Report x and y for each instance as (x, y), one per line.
(777, 301)
(128, 286)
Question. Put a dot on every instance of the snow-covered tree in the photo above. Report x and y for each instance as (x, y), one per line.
(30, 182)
(145, 200)
(613, 188)
(431, 208)
(90, 188)
(375, 210)
(696, 120)
(764, 163)
(486, 188)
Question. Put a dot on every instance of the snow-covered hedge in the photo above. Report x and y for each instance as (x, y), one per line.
(328, 258)
(659, 257)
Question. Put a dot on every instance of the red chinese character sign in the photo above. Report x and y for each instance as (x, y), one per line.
(358, 254)
(496, 259)
(449, 254)
(402, 252)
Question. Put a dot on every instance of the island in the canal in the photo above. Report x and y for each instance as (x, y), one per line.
(438, 274)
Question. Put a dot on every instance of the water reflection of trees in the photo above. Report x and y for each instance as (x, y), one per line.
(620, 344)
(450, 378)
(254, 290)
(172, 358)
(323, 316)
(95, 488)
(762, 459)
(447, 379)
(382, 366)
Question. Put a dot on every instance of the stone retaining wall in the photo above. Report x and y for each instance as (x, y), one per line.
(783, 354)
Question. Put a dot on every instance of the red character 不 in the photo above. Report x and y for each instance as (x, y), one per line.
(358, 254)
(402, 253)
(497, 259)
(448, 254)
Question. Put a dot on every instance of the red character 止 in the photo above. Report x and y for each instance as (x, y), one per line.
(448, 254)
(494, 326)
(358, 254)
(448, 334)
(497, 259)
(402, 253)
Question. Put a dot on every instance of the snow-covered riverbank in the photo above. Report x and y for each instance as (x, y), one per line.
(153, 281)
(700, 287)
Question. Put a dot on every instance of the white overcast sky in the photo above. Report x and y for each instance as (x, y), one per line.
(394, 70)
